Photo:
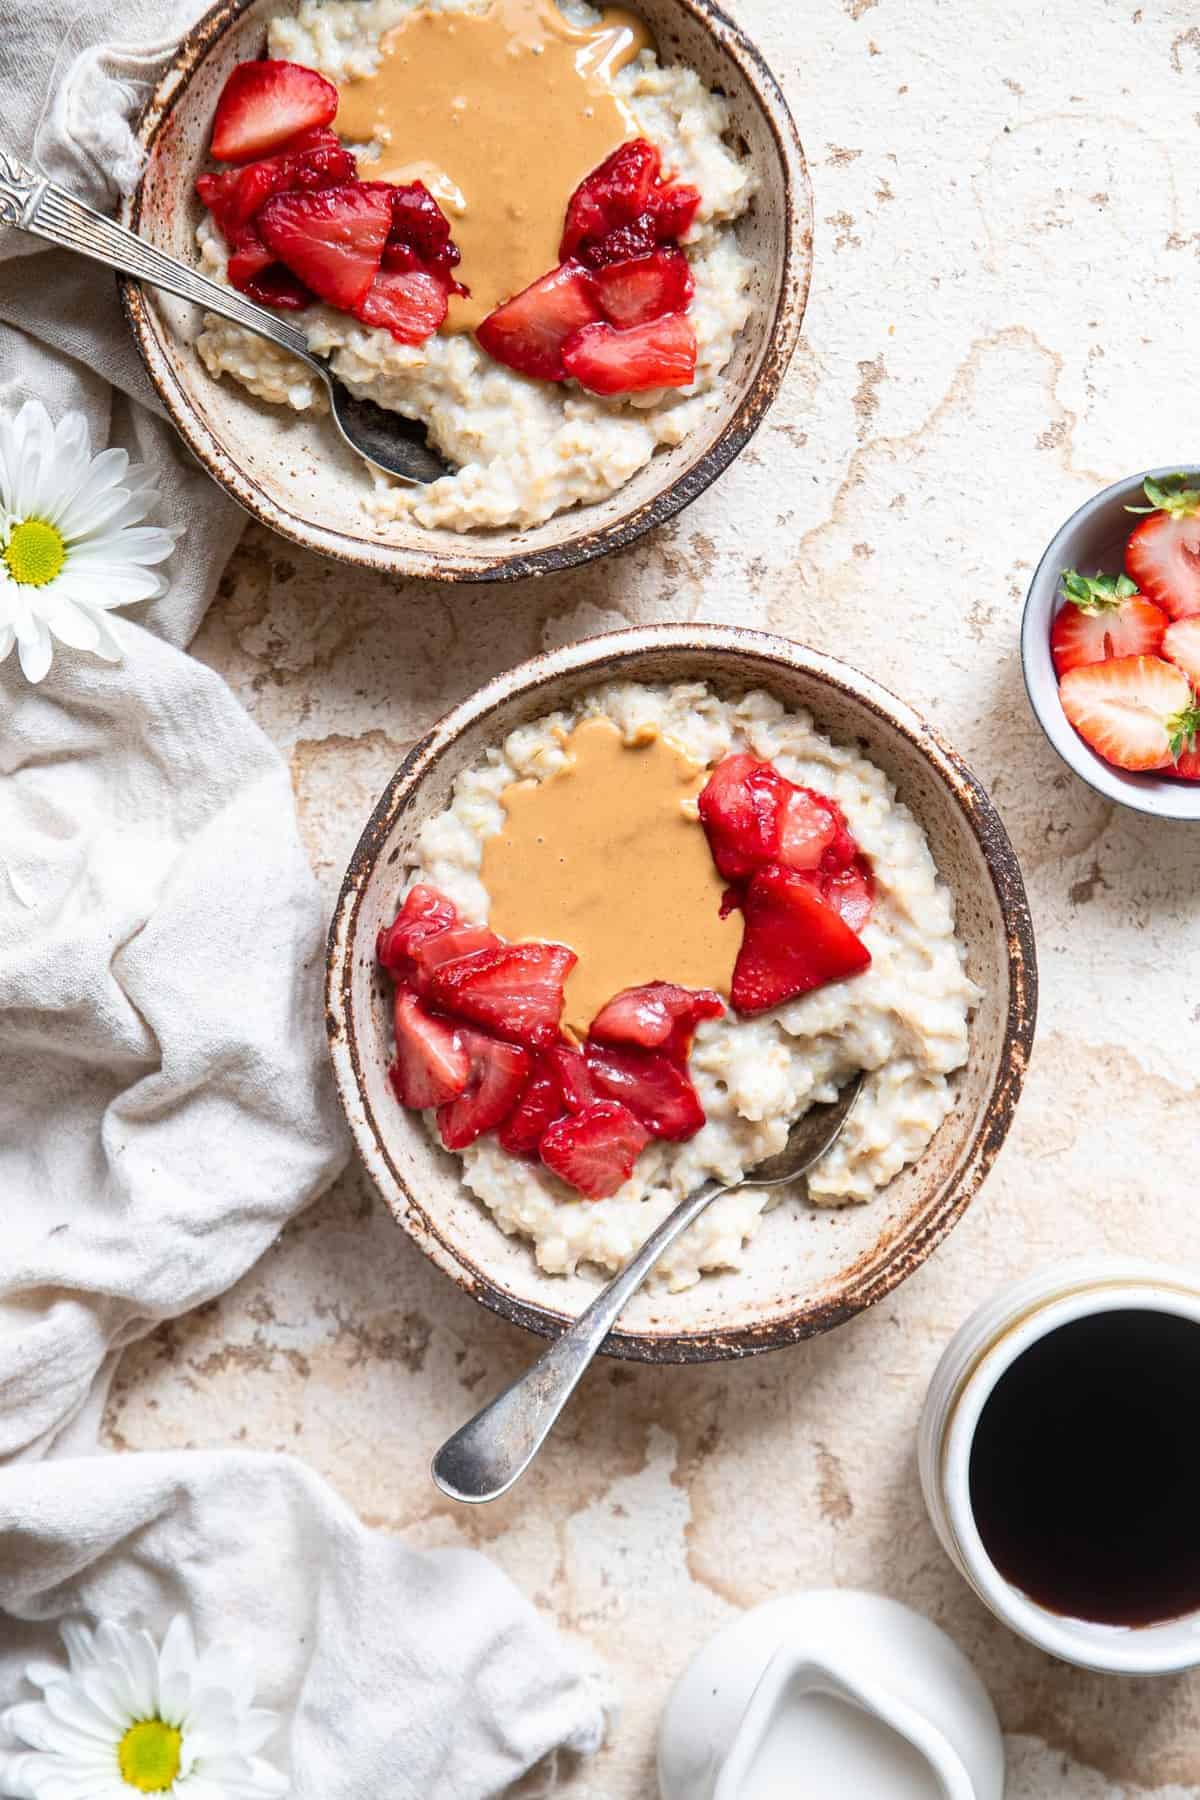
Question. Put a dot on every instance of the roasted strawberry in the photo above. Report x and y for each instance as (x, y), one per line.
(656, 1016)
(612, 195)
(674, 208)
(418, 220)
(629, 293)
(794, 941)
(528, 332)
(850, 891)
(431, 1065)
(430, 952)
(1163, 553)
(1181, 645)
(660, 354)
(652, 1084)
(515, 990)
(1104, 616)
(270, 286)
(1137, 712)
(573, 1076)
(594, 1150)
(332, 239)
(540, 1104)
(265, 103)
(741, 809)
(497, 1078)
(424, 913)
(411, 306)
(809, 827)
(315, 159)
(624, 244)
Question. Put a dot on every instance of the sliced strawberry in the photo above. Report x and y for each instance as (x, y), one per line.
(316, 159)
(629, 293)
(651, 1084)
(411, 306)
(1163, 553)
(515, 990)
(1137, 712)
(1104, 616)
(265, 103)
(424, 913)
(1188, 765)
(431, 1065)
(332, 239)
(1181, 645)
(741, 809)
(809, 826)
(541, 1103)
(497, 1078)
(674, 208)
(430, 952)
(793, 942)
(660, 354)
(625, 243)
(528, 332)
(851, 892)
(657, 1016)
(612, 195)
(573, 1076)
(595, 1150)
(419, 221)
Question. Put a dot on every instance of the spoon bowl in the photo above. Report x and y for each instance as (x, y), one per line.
(491, 1452)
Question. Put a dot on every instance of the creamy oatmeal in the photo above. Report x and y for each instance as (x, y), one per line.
(904, 1019)
(523, 449)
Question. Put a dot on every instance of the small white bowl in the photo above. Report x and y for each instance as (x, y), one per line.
(1094, 538)
(987, 1345)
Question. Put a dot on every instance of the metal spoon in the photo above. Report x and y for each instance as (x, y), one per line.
(27, 200)
(493, 1450)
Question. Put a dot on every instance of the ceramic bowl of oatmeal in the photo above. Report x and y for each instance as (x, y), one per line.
(553, 461)
(580, 801)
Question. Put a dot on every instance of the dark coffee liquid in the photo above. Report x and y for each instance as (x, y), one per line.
(1085, 1470)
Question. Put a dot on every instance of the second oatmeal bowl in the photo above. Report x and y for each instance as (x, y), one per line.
(769, 874)
(621, 381)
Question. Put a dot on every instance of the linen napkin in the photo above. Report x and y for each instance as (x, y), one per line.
(401, 1674)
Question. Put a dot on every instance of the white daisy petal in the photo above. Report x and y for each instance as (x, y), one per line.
(132, 544)
(104, 472)
(8, 638)
(71, 625)
(79, 1641)
(42, 1674)
(36, 653)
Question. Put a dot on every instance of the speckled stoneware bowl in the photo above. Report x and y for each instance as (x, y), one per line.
(1094, 539)
(291, 470)
(807, 1268)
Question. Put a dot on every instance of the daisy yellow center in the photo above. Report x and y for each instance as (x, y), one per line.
(148, 1756)
(34, 553)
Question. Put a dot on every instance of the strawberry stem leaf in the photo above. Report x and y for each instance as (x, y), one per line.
(1182, 729)
(1171, 497)
(1097, 593)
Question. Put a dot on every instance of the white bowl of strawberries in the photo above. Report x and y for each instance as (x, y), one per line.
(1110, 643)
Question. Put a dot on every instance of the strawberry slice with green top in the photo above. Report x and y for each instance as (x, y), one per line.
(1137, 712)
(1104, 616)
(1163, 553)
(498, 1073)
(659, 354)
(515, 990)
(529, 331)
(432, 1065)
(332, 239)
(265, 103)
(1181, 645)
(594, 1151)
(794, 941)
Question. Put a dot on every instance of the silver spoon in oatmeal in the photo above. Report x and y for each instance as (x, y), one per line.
(386, 440)
(492, 1451)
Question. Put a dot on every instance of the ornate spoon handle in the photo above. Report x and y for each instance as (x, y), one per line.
(32, 203)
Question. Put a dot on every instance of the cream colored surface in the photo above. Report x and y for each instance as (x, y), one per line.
(962, 388)
(470, 104)
(608, 855)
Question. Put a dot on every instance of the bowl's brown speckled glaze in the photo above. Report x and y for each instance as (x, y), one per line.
(807, 1269)
(291, 470)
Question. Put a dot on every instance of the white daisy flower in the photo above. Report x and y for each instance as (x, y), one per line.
(128, 1718)
(72, 545)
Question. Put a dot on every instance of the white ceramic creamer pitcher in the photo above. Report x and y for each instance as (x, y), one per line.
(826, 1695)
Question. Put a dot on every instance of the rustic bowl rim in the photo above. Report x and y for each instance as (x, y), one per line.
(1156, 796)
(782, 337)
(961, 1183)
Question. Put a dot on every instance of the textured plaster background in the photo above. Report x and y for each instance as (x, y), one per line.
(1003, 318)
